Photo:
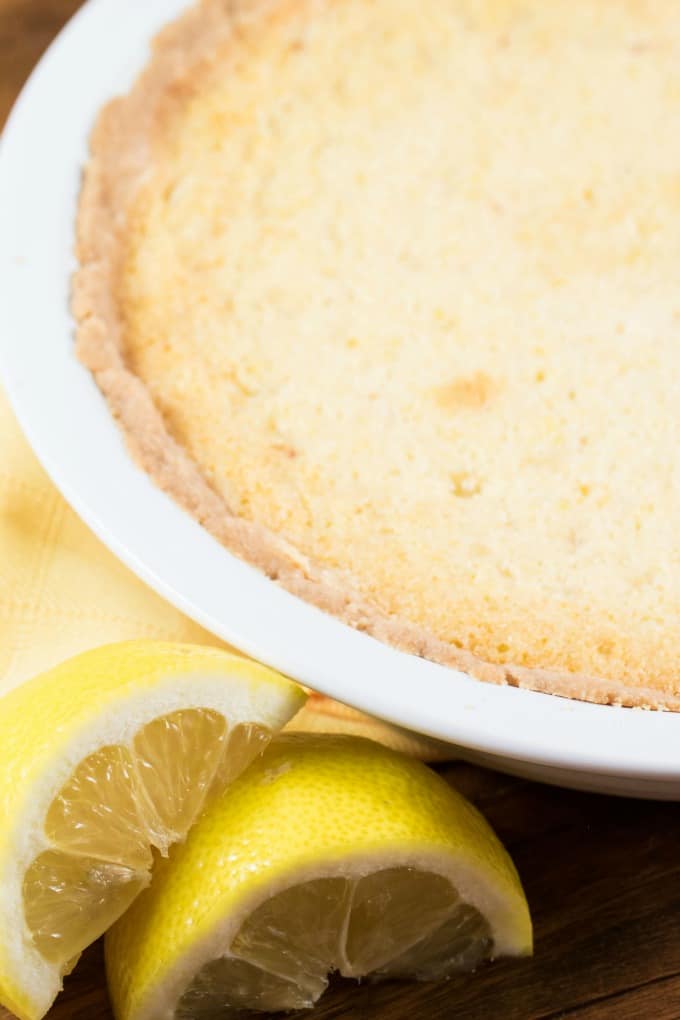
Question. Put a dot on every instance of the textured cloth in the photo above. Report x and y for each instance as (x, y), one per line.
(62, 591)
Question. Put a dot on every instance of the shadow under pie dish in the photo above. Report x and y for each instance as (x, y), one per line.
(384, 295)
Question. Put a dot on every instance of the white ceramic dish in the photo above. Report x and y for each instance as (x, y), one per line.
(64, 416)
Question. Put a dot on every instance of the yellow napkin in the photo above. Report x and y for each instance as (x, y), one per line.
(62, 591)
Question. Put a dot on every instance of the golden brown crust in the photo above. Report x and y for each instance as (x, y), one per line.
(121, 153)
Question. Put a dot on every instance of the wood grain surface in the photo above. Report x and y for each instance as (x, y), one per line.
(602, 875)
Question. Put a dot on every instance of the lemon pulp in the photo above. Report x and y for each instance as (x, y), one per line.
(119, 802)
(399, 922)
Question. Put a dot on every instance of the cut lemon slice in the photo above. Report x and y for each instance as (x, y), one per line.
(327, 854)
(102, 759)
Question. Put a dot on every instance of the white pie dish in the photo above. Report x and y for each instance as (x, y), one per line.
(44, 146)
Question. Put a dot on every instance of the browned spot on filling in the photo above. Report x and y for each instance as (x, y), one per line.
(286, 449)
(465, 485)
(468, 392)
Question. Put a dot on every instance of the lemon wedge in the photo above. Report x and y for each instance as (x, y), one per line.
(102, 758)
(327, 854)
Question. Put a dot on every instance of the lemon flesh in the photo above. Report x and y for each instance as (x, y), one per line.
(399, 923)
(119, 802)
(327, 854)
(96, 776)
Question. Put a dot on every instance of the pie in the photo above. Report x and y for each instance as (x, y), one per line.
(386, 294)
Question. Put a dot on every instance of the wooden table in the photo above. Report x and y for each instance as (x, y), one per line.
(602, 875)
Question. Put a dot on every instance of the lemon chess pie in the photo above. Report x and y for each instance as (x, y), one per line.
(386, 294)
